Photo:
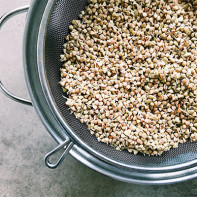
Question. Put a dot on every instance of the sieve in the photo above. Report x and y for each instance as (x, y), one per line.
(46, 27)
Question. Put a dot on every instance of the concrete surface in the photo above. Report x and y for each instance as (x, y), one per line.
(24, 141)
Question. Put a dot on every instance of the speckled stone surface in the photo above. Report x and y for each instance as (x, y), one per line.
(24, 141)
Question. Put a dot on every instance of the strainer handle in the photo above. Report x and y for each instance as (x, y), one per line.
(66, 146)
(3, 19)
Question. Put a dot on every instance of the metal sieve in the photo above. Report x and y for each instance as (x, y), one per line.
(47, 26)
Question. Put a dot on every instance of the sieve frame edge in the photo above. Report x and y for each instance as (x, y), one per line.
(72, 135)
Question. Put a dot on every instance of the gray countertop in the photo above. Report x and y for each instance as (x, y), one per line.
(24, 141)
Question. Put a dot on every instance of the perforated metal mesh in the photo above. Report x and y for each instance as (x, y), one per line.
(64, 12)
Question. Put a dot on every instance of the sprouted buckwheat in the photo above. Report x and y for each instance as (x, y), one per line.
(130, 71)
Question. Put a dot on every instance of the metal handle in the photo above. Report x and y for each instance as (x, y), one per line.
(3, 19)
(67, 145)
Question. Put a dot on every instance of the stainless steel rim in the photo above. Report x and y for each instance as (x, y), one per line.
(134, 174)
(42, 33)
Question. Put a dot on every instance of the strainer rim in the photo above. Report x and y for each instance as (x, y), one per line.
(48, 96)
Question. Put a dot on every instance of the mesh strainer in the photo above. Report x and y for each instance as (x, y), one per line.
(62, 15)
(52, 23)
